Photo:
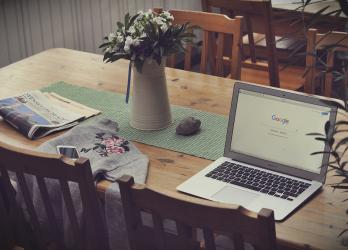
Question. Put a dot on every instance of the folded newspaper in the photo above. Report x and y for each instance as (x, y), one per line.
(36, 114)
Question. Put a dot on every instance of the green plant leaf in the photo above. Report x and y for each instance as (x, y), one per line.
(321, 152)
(126, 20)
(120, 25)
(315, 134)
(341, 142)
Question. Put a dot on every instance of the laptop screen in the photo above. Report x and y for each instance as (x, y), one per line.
(274, 129)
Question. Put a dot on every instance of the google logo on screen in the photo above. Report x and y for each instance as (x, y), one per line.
(283, 121)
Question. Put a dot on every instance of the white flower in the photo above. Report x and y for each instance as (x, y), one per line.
(158, 20)
(119, 37)
(111, 37)
(135, 42)
(141, 15)
(139, 27)
(132, 29)
(128, 43)
(164, 27)
(142, 35)
(167, 15)
(148, 14)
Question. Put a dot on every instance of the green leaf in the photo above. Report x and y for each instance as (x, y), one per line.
(341, 123)
(105, 44)
(131, 21)
(315, 134)
(327, 127)
(126, 20)
(120, 25)
(321, 139)
(341, 142)
(307, 2)
(321, 152)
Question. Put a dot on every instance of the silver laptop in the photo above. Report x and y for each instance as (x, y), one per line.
(268, 160)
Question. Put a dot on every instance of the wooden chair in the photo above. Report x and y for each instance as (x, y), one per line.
(253, 9)
(324, 77)
(42, 166)
(240, 224)
(212, 23)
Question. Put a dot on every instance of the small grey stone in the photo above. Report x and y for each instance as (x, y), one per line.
(188, 126)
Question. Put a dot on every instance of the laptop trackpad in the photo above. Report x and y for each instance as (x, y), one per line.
(234, 195)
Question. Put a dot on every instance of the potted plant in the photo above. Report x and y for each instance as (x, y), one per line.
(146, 39)
(338, 140)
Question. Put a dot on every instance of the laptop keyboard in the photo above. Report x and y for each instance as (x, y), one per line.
(258, 180)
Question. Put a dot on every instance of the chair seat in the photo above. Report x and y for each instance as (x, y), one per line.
(281, 43)
(284, 46)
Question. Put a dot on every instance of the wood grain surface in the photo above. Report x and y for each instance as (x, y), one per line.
(315, 226)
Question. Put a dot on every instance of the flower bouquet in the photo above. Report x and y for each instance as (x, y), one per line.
(146, 35)
(146, 39)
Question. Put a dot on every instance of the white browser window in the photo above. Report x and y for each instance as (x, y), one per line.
(274, 129)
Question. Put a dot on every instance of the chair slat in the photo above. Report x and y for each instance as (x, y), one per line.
(309, 86)
(132, 216)
(237, 241)
(250, 32)
(236, 49)
(204, 52)
(71, 212)
(94, 225)
(49, 211)
(209, 239)
(184, 231)
(188, 57)
(6, 225)
(171, 61)
(219, 55)
(30, 207)
(159, 231)
(329, 76)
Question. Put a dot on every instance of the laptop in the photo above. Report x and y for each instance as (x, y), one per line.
(268, 160)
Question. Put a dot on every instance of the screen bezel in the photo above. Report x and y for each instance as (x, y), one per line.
(269, 164)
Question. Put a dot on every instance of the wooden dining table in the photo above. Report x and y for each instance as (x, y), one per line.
(316, 225)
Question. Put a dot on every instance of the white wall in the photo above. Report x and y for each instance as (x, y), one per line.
(30, 26)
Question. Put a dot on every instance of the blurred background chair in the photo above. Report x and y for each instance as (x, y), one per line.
(212, 58)
(239, 224)
(323, 55)
(261, 46)
(27, 166)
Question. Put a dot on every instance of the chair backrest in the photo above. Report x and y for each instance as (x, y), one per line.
(240, 224)
(330, 43)
(41, 167)
(251, 10)
(212, 24)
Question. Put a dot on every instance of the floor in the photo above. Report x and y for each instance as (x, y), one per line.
(290, 77)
